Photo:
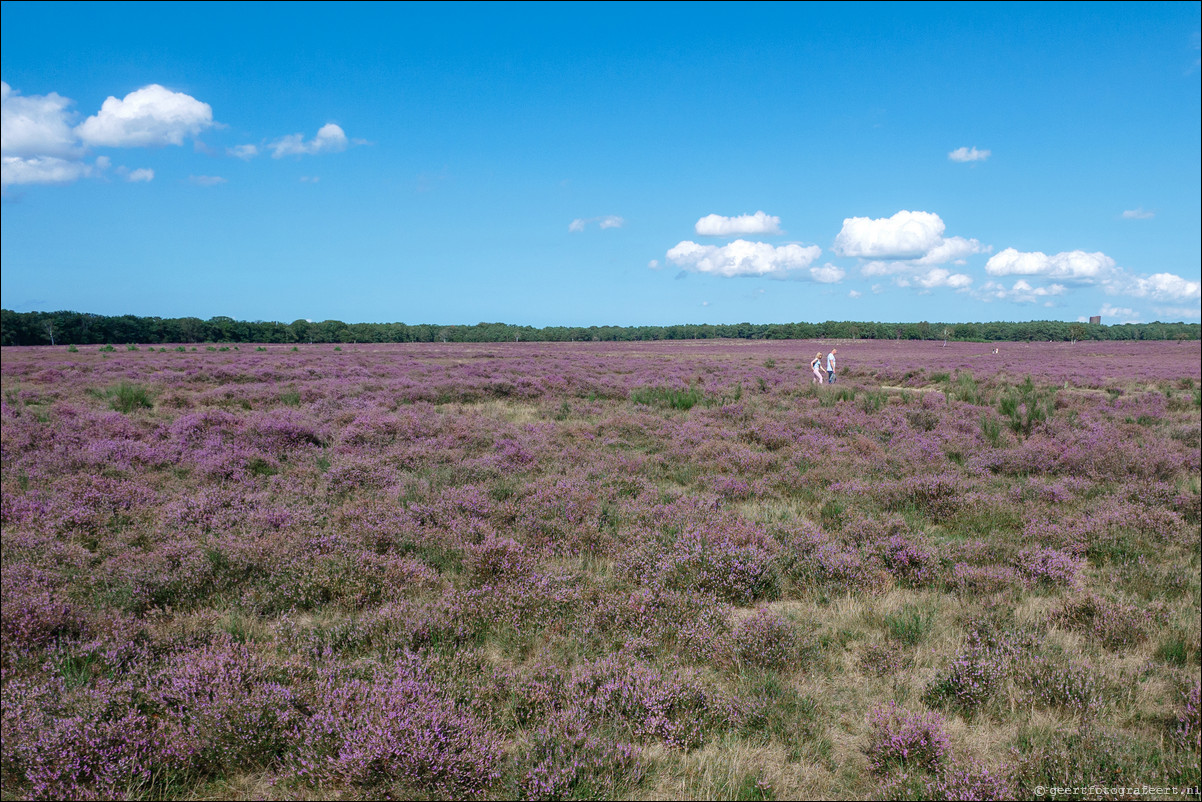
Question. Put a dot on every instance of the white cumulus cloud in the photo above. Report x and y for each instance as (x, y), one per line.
(905, 235)
(330, 139)
(1138, 214)
(1157, 287)
(715, 225)
(952, 249)
(36, 125)
(1067, 265)
(152, 115)
(140, 175)
(743, 258)
(1021, 292)
(968, 155)
(41, 170)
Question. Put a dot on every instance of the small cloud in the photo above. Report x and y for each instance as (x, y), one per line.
(206, 180)
(743, 258)
(1138, 214)
(653, 264)
(705, 303)
(715, 225)
(41, 170)
(243, 152)
(142, 174)
(1021, 292)
(855, 294)
(827, 274)
(905, 235)
(605, 221)
(330, 139)
(968, 155)
(310, 179)
(1070, 265)
(152, 115)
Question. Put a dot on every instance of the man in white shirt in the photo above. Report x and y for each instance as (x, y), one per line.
(830, 366)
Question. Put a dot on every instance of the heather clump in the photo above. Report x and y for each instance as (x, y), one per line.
(395, 727)
(903, 739)
(767, 639)
(1112, 623)
(566, 759)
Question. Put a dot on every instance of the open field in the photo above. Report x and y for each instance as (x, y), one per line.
(597, 570)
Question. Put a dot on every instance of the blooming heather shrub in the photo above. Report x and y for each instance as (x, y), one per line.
(910, 560)
(398, 727)
(675, 707)
(498, 560)
(35, 612)
(958, 779)
(969, 681)
(1050, 566)
(1058, 683)
(767, 639)
(100, 747)
(708, 562)
(565, 760)
(903, 739)
(225, 707)
(1113, 623)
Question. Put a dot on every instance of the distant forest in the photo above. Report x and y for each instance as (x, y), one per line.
(81, 328)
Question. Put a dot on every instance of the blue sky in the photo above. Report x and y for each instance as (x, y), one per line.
(603, 164)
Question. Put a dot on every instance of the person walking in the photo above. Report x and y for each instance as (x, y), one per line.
(816, 366)
(830, 366)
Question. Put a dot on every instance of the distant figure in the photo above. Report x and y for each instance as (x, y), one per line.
(816, 366)
(995, 350)
(830, 366)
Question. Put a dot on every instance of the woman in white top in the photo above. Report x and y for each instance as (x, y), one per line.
(816, 366)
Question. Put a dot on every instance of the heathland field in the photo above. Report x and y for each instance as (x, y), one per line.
(585, 570)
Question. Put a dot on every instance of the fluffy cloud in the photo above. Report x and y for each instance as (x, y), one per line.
(36, 125)
(1138, 214)
(968, 155)
(715, 225)
(743, 258)
(330, 139)
(607, 221)
(152, 115)
(827, 274)
(905, 235)
(1157, 287)
(1093, 269)
(41, 170)
(952, 249)
(1069, 265)
(1021, 292)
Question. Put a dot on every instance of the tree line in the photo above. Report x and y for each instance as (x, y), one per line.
(82, 328)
